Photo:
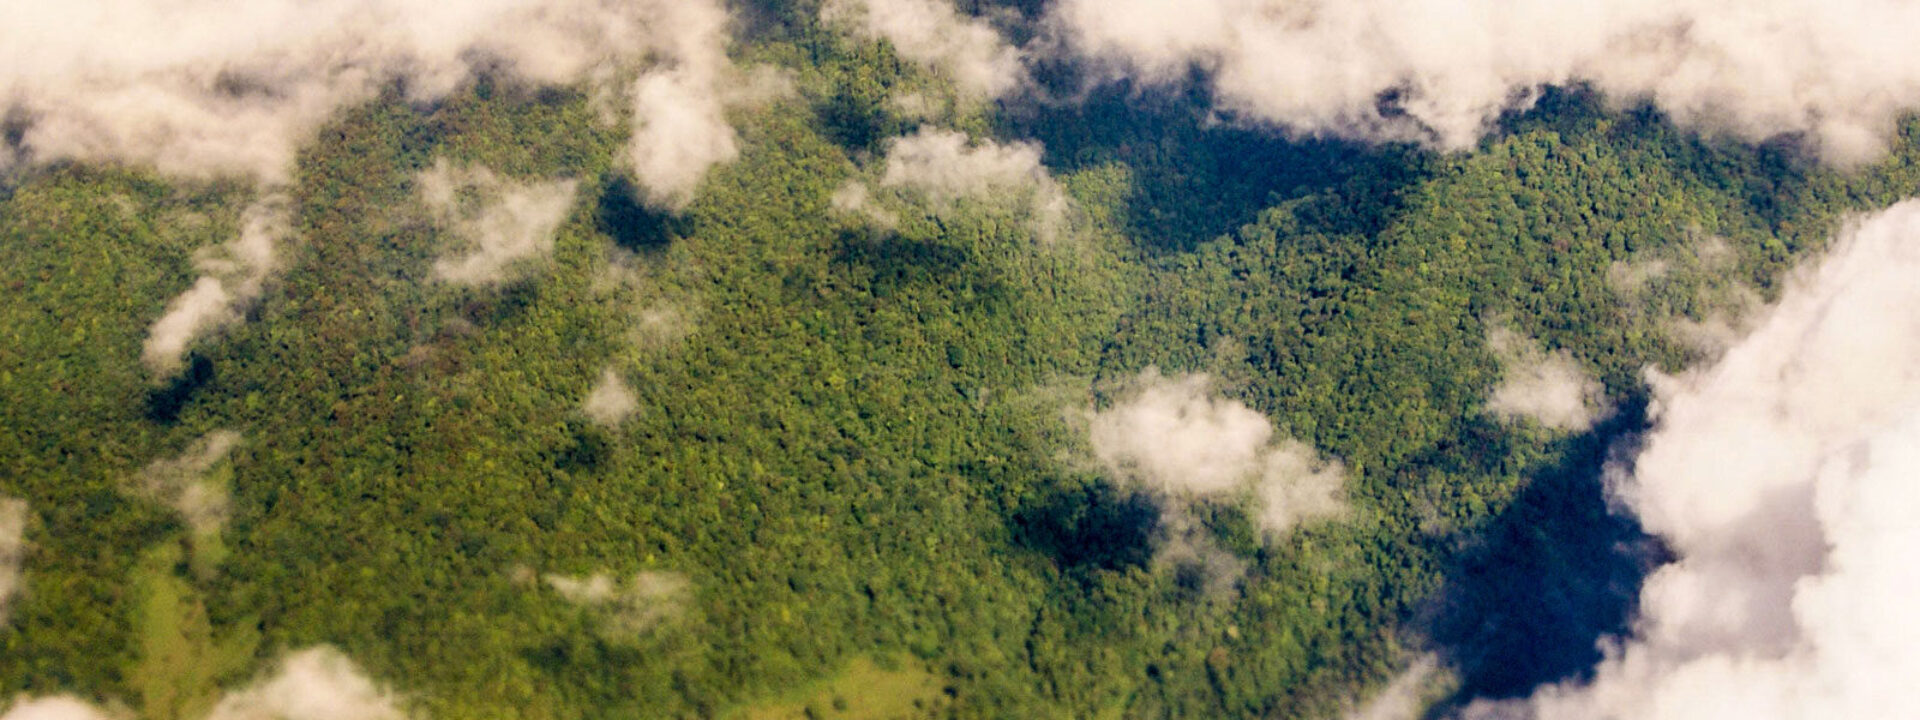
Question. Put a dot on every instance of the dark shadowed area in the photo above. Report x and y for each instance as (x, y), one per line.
(1529, 599)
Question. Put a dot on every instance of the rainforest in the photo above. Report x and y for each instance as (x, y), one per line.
(958, 359)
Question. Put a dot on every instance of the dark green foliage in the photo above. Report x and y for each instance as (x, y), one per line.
(1194, 179)
(630, 223)
(87, 259)
(850, 441)
(1093, 527)
(1578, 566)
(165, 402)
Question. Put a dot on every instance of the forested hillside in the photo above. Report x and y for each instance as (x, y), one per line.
(501, 431)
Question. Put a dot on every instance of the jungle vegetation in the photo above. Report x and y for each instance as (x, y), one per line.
(851, 440)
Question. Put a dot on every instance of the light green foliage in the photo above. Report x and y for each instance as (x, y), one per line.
(848, 439)
(180, 662)
(87, 259)
(864, 690)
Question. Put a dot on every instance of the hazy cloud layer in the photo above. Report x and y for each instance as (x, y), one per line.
(611, 400)
(222, 87)
(1841, 71)
(631, 605)
(501, 222)
(946, 166)
(13, 547)
(1176, 436)
(1550, 388)
(231, 279)
(318, 683)
(934, 34)
(1783, 479)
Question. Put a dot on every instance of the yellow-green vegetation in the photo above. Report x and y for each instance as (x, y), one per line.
(863, 690)
(206, 550)
(847, 449)
(181, 663)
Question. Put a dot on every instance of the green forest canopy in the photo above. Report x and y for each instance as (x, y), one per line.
(854, 444)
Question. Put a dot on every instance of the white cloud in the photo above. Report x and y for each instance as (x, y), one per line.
(13, 548)
(204, 88)
(1296, 484)
(934, 34)
(1782, 478)
(232, 278)
(502, 222)
(1550, 388)
(632, 605)
(317, 683)
(1841, 71)
(1174, 436)
(946, 166)
(180, 482)
(58, 707)
(1402, 699)
(680, 128)
(611, 400)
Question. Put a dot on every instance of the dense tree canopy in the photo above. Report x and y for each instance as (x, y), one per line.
(855, 440)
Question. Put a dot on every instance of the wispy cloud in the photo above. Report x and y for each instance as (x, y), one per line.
(611, 401)
(182, 484)
(1403, 698)
(943, 167)
(58, 707)
(632, 604)
(1704, 273)
(501, 222)
(232, 277)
